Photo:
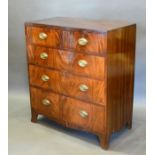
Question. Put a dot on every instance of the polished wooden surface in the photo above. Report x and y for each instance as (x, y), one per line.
(52, 110)
(68, 84)
(120, 77)
(96, 42)
(100, 25)
(107, 78)
(96, 114)
(68, 40)
(70, 113)
(53, 36)
(68, 61)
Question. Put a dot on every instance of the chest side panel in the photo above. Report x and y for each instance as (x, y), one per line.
(120, 76)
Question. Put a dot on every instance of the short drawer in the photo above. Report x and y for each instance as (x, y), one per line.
(79, 87)
(82, 64)
(84, 115)
(45, 102)
(85, 42)
(43, 36)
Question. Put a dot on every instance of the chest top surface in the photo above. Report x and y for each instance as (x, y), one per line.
(78, 23)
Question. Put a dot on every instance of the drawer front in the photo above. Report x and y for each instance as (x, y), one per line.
(84, 115)
(82, 64)
(45, 78)
(44, 36)
(85, 42)
(45, 102)
(68, 84)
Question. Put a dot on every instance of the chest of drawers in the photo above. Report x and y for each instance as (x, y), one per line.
(81, 73)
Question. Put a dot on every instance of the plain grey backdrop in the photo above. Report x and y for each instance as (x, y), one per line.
(27, 10)
(45, 137)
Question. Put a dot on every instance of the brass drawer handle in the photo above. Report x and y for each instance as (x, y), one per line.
(83, 114)
(42, 36)
(82, 41)
(43, 55)
(83, 87)
(82, 63)
(45, 78)
(46, 102)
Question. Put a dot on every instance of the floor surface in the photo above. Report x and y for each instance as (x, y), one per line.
(49, 138)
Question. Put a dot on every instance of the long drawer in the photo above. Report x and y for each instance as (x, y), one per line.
(73, 112)
(74, 62)
(82, 88)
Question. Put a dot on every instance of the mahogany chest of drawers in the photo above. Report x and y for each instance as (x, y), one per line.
(81, 73)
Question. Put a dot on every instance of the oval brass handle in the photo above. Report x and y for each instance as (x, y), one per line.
(82, 41)
(42, 36)
(46, 102)
(45, 77)
(82, 63)
(43, 55)
(83, 114)
(83, 87)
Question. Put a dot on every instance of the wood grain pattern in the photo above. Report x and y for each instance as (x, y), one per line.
(68, 61)
(52, 110)
(110, 54)
(120, 77)
(68, 84)
(97, 43)
(53, 36)
(68, 23)
(69, 115)
(96, 115)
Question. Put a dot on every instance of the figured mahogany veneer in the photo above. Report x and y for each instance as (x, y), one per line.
(96, 114)
(53, 36)
(97, 42)
(68, 84)
(52, 110)
(71, 110)
(68, 61)
(81, 73)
